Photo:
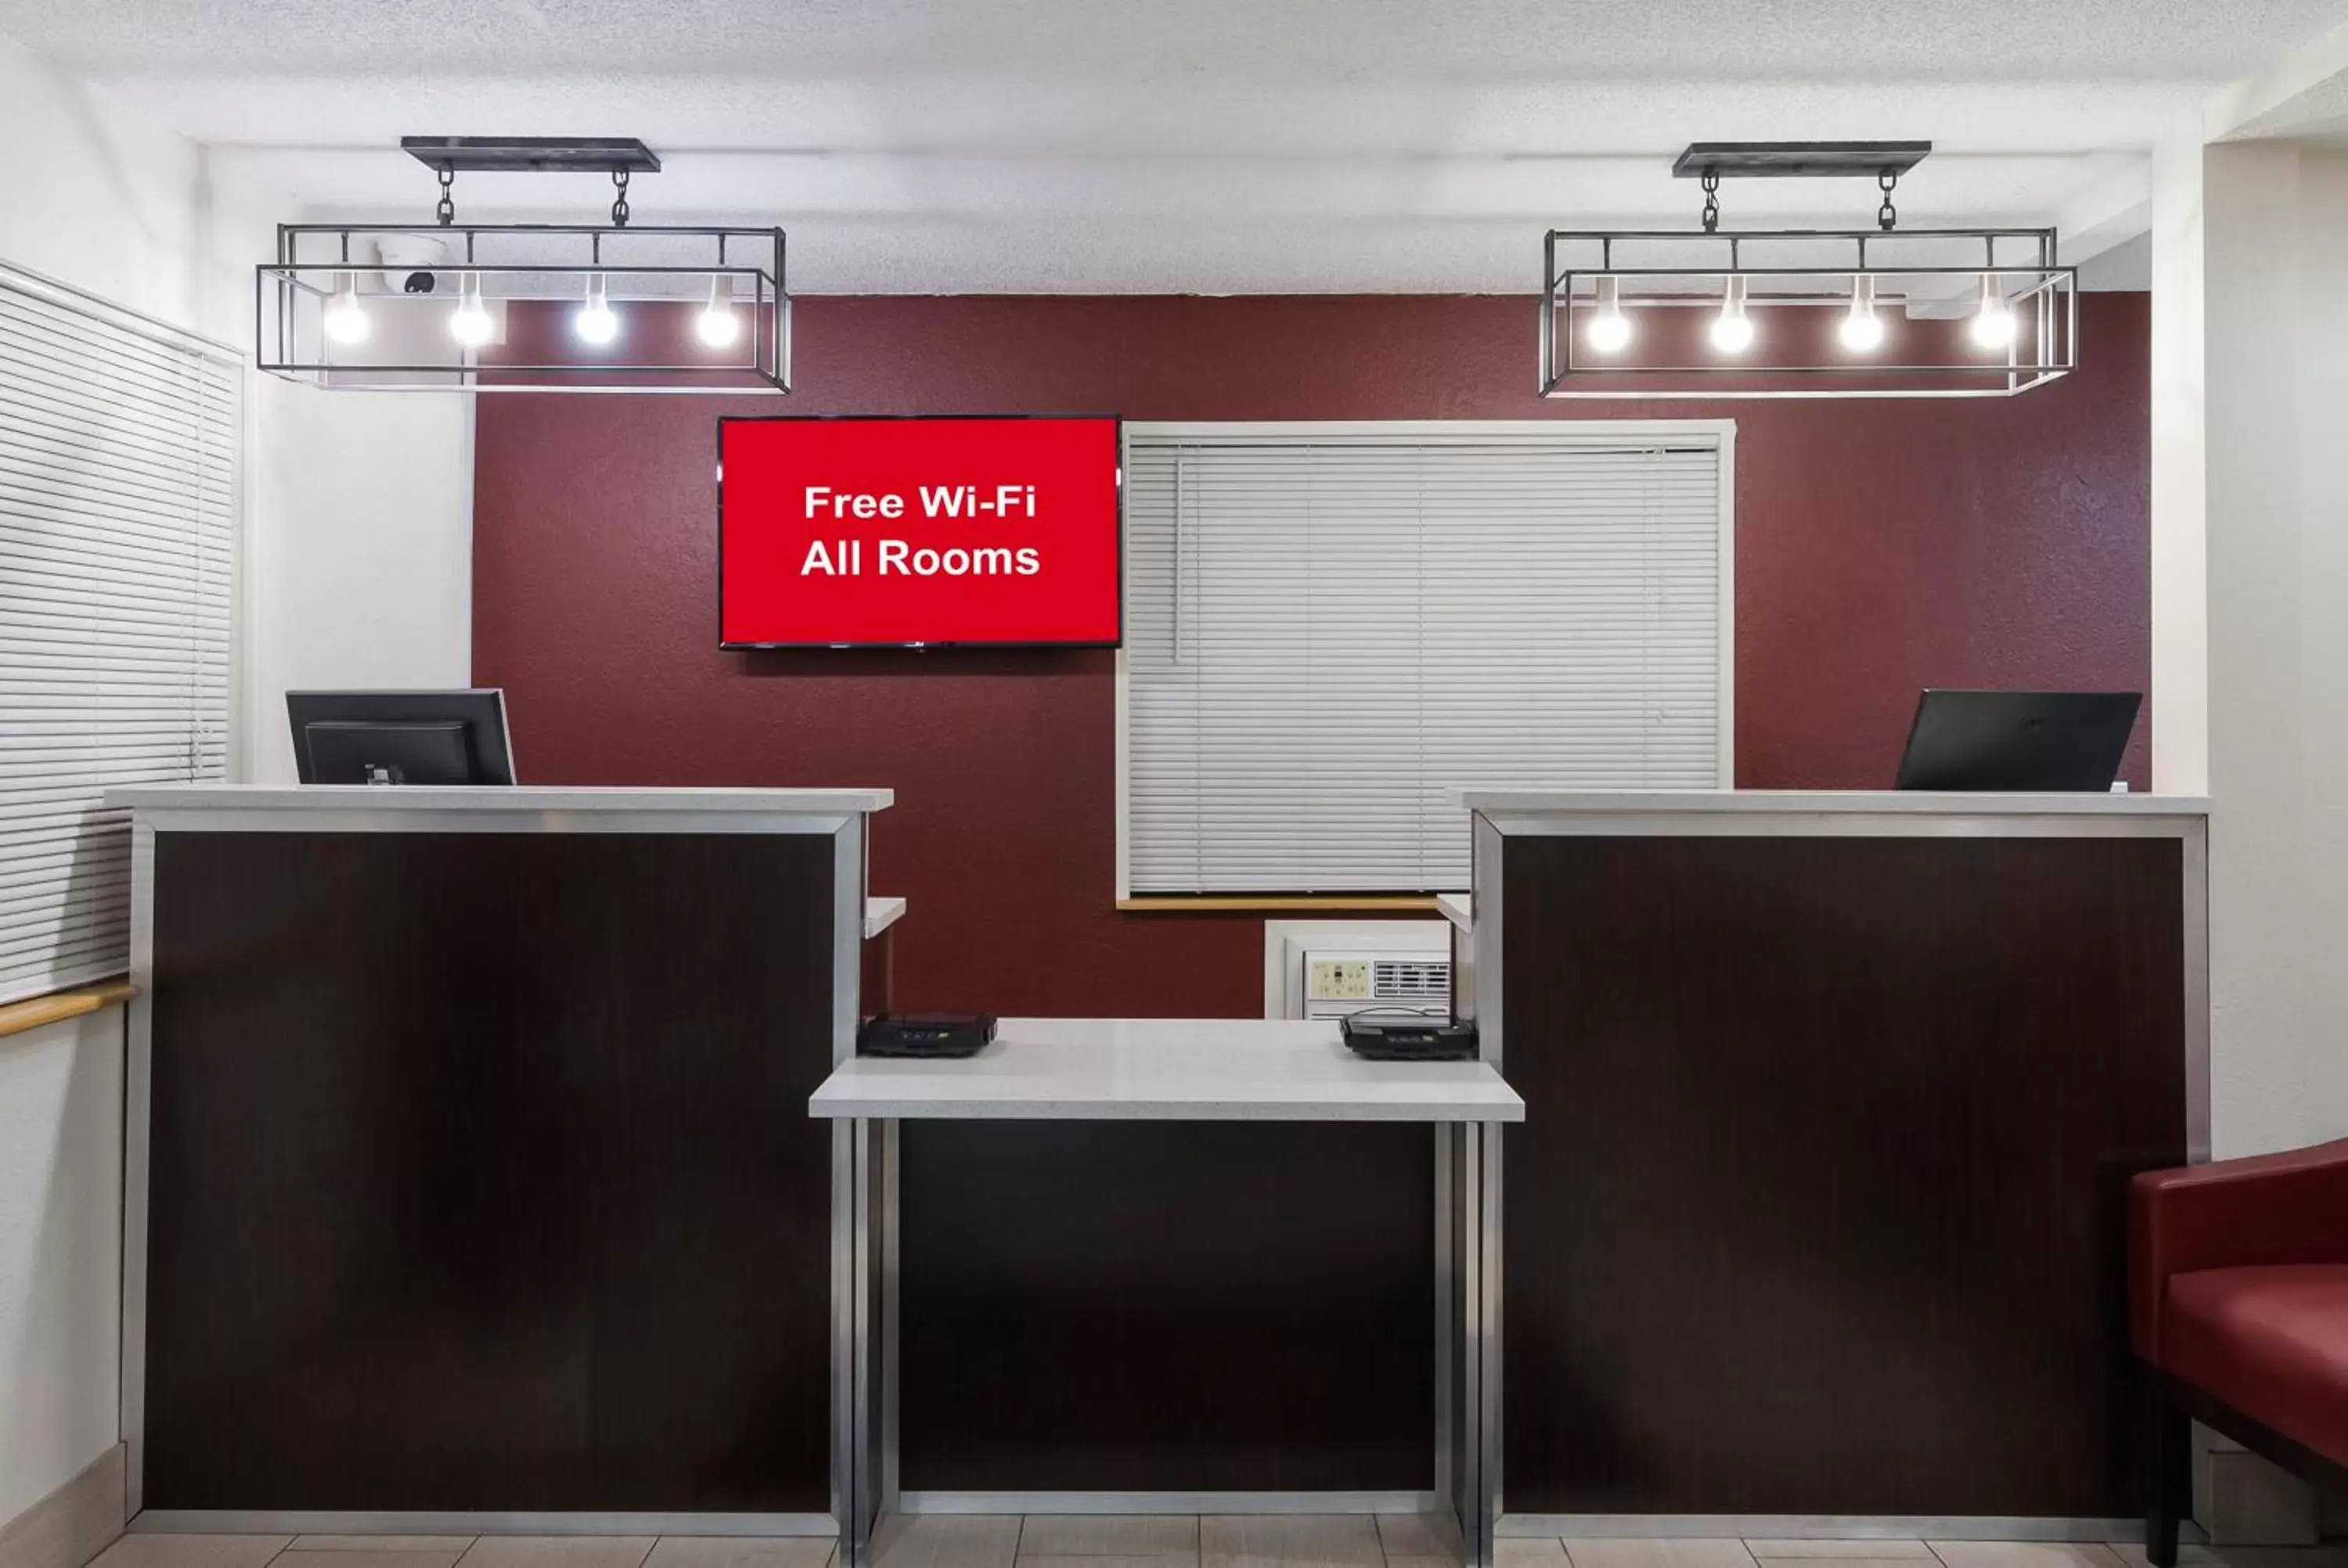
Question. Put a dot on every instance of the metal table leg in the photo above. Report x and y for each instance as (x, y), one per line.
(864, 1249)
(1468, 1348)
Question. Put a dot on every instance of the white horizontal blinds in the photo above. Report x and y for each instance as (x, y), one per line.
(118, 485)
(1327, 635)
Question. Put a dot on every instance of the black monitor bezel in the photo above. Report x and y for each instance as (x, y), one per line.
(481, 708)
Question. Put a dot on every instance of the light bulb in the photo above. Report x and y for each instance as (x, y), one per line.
(472, 325)
(345, 319)
(1861, 329)
(1732, 329)
(596, 323)
(1609, 329)
(717, 326)
(1992, 325)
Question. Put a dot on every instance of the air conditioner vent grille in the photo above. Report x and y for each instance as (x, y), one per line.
(1410, 981)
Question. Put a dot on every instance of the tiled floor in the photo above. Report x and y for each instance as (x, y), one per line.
(1165, 1541)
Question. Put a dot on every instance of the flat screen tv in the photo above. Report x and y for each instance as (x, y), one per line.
(886, 531)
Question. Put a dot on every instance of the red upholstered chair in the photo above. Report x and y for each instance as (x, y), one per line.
(2238, 1307)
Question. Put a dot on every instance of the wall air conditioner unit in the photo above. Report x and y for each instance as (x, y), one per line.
(1415, 954)
(1338, 981)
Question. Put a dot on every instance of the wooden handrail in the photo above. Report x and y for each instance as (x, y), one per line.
(33, 1012)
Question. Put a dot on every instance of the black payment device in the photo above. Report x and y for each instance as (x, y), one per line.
(925, 1034)
(1408, 1036)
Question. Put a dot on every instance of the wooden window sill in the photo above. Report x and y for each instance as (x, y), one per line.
(33, 1012)
(1259, 903)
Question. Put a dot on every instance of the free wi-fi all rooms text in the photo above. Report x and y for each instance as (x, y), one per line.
(902, 558)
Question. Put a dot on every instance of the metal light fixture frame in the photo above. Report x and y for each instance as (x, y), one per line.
(2044, 296)
(2045, 306)
(753, 261)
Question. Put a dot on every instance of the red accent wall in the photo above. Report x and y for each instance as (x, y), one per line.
(1880, 546)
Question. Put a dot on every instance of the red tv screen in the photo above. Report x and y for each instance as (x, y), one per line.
(846, 532)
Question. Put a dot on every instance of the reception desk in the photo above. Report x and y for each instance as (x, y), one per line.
(1816, 1222)
(500, 1161)
(471, 1185)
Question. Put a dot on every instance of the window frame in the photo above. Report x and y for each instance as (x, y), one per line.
(1594, 434)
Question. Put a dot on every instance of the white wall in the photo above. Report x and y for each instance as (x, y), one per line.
(358, 506)
(60, 1252)
(2276, 258)
(2180, 611)
(107, 200)
(358, 546)
(357, 570)
(118, 207)
(359, 560)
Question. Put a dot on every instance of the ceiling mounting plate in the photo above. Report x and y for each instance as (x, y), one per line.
(1799, 159)
(532, 154)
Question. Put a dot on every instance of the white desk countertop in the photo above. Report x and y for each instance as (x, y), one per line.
(490, 797)
(1827, 801)
(1179, 1070)
(879, 914)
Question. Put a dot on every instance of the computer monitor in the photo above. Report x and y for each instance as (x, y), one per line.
(2050, 740)
(401, 737)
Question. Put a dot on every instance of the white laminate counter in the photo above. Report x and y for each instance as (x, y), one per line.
(879, 914)
(1193, 1069)
(207, 798)
(1505, 803)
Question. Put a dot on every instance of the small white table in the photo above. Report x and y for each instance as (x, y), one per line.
(1176, 1070)
(1184, 1070)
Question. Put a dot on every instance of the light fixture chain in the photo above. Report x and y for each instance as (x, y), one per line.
(1711, 200)
(1887, 216)
(620, 200)
(447, 210)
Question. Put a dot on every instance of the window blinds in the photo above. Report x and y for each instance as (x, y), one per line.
(1328, 633)
(118, 445)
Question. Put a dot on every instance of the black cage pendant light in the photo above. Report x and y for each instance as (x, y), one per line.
(1718, 314)
(526, 307)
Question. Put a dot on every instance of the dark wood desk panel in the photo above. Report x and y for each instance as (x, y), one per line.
(1166, 1306)
(482, 1176)
(1818, 1205)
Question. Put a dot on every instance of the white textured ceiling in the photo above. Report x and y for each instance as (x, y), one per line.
(1204, 144)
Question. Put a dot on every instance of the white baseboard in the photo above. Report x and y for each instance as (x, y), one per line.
(73, 1523)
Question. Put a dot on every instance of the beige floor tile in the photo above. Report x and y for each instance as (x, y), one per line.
(191, 1552)
(2132, 1554)
(1639, 1553)
(1109, 1535)
(1858, 1547)
(2025, 1554)
(947, 1540)
(741, 1552)
(557, 1552)
(456, 1543)
(356, 1557)
(1290, 1541)
(1415, 1536)
(1529, 1551)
